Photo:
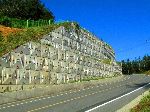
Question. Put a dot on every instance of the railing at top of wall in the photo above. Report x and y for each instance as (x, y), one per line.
(17, 23)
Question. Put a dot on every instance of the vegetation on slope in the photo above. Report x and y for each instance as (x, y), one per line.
(14, 40)
(147, 72)
(143, 106)
(107, 61)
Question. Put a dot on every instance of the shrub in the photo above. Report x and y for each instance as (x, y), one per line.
(5, 21)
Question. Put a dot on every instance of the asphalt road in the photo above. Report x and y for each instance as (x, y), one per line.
(106, 97)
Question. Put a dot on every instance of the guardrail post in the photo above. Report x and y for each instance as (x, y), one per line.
(27, 23)
(49, 22)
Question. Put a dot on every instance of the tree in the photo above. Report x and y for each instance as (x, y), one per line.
(136, 66)
(25, 9)
(124, 67)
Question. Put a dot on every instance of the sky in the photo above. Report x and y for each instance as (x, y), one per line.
(124, 24)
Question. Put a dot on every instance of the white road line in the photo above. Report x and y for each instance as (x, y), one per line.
(117, 98)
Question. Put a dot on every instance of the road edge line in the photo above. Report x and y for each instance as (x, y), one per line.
(116, 98)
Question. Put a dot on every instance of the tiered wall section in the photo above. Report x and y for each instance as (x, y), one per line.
(62, 56)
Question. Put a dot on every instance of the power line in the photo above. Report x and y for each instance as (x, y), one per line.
(134, 47)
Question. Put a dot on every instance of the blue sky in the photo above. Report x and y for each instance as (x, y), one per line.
(124, 24)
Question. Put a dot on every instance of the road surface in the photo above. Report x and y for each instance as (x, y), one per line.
(106, 97)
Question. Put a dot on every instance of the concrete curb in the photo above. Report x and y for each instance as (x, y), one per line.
(133, 103)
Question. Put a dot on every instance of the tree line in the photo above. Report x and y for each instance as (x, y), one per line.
(25, 9)
(137, 65)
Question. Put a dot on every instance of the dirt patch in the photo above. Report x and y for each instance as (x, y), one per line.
(7, 30)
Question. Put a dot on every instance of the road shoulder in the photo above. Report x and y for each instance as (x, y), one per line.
(134, 102)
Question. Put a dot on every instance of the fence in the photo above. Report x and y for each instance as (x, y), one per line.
(17, 23)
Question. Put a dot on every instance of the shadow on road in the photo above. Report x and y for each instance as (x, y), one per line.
(139, 85)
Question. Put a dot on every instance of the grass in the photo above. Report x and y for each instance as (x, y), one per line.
(107, 61)
(87, 79)
(143, 106)
(147, 72)
(94, 78)
(34, 34)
